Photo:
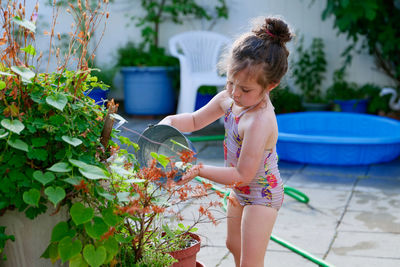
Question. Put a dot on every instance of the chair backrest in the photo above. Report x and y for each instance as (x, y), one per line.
(201, 49)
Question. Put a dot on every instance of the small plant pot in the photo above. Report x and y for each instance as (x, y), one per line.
(353, 105)
(99, 96)
(187, 257)
(202, 100)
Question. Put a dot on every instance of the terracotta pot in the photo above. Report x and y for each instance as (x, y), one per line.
(187, 257)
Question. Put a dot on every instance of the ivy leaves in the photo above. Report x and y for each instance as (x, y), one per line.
(71, 140)
(57, 100)
(65, 243)
(55, 194)
(14, 126)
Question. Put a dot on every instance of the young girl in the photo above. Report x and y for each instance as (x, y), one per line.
(255, 66)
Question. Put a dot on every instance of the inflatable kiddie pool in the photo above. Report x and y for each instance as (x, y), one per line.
(337, 138)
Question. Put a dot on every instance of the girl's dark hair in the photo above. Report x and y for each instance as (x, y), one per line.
(262, 51)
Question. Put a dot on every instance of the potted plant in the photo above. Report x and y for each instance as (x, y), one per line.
(285, 101)
(148, 80)
(104, 76)
(308, 72)
(140, 61)
(204, 94)
(46, 120)
(147, 203)
(377, 104)
(347, 97)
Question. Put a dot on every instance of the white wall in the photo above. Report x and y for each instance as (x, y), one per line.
(303, 17)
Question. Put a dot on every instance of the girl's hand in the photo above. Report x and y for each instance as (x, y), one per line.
(167, 120)
(190, 174)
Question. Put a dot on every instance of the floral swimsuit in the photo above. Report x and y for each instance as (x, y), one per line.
(267, 187)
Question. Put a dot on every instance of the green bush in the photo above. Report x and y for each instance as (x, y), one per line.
(373, 22)
(376, 102)
(285, 101)
(309, 69)
(342, 89)
(132, 55)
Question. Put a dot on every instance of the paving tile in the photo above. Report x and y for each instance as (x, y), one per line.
(320, 198)
(378, 245)
(315, 240)
(286, 259)
(389, 170)
(297, 217)
(378, 221)
(375, 201)
(287, 166)
(321, 181)
(357, 171)
(361, 261)
(221, 257)
(378, 185)
(212, 256)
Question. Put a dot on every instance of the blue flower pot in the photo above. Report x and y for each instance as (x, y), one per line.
(353, 105)
(202, 100)
(99, 96)
(148, 91)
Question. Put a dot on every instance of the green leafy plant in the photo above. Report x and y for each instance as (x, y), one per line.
(207, 90)
(148, 52)
(375, 23)
(47, 123)
(285, 101)
(377, 104)
(157, 12)
(343, 90)
(133, 55)
(309, 69)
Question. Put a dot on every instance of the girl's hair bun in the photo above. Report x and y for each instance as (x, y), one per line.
(274, 30)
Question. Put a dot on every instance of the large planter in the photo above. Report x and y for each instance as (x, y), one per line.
(353, 105)
(202, 100)
(187, 257)
(31, 238)
(148, 91)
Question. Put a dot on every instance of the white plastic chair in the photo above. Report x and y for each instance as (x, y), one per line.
(198, 53)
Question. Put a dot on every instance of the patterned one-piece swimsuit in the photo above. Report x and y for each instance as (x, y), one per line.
(267, 187)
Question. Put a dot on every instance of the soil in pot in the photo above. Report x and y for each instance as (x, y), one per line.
(187, 257)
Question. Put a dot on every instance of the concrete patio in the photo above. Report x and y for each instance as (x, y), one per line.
(352, 218)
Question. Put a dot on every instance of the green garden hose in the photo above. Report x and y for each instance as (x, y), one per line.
(296, 194)
(206, 138)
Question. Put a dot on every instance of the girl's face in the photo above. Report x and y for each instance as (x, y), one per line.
(244, 89)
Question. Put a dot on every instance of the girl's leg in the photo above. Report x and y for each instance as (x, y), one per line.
(257, 224)
(234, 218)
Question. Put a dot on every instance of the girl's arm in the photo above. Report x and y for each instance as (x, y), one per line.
(189, 122)
(253, 146)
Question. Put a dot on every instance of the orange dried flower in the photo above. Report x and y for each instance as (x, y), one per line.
(109, 233)
(186, 156)
(82, 186)
(157, 209)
